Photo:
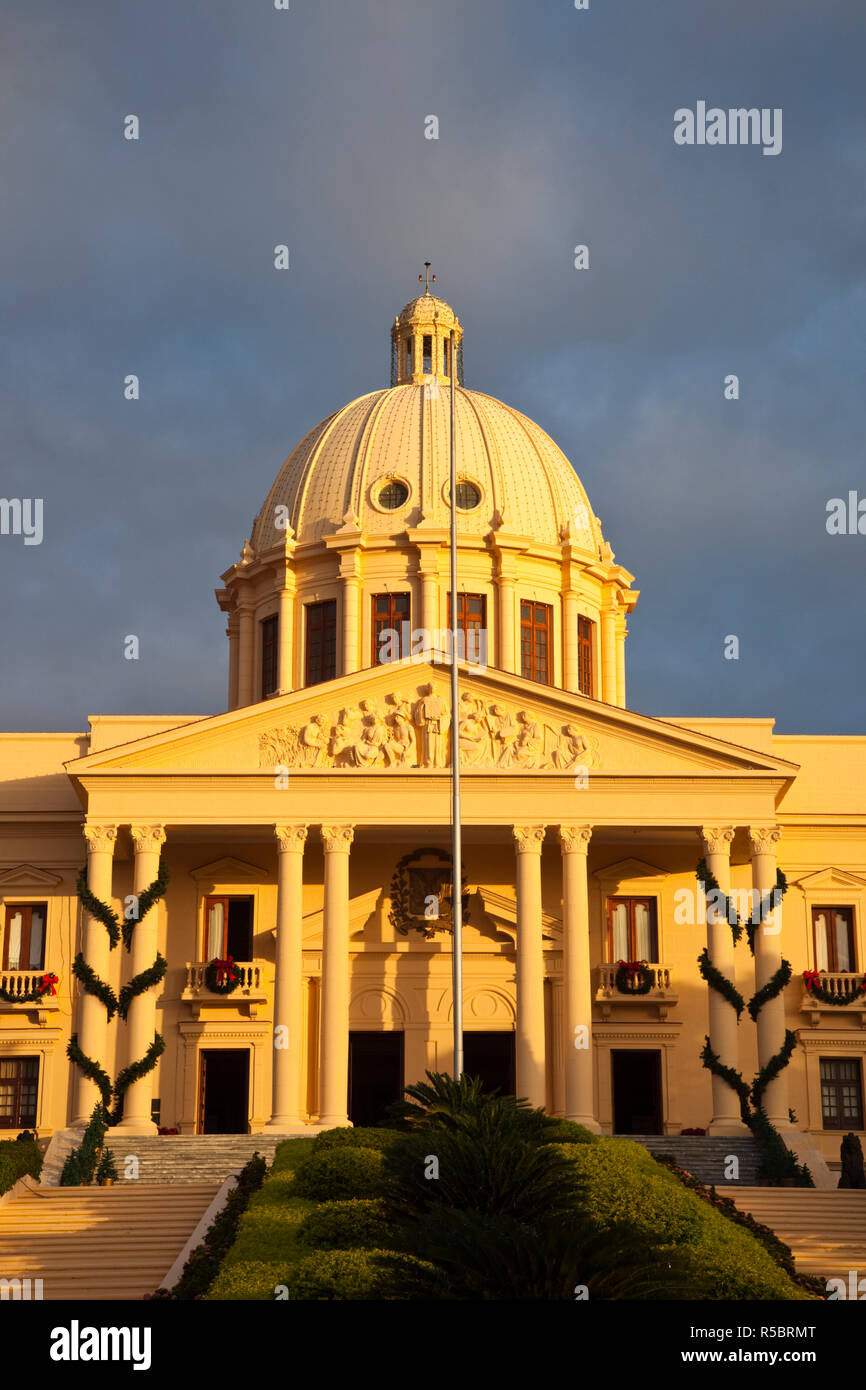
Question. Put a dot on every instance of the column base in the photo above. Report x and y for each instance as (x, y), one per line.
(334, 1122)
(134, 1126)
(724, 1126)
(293, 1128)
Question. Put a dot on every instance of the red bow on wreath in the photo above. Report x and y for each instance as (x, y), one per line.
(632, 967)
(47, 983)
(810, 979)
(225, 970)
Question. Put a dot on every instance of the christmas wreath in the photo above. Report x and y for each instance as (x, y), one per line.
(814, 987)
(31, 996)
(222, 976)
(633, 977)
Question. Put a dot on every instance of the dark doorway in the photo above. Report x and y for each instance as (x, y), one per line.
(490, 1056)
(224, 1097)
(637, 1092)
(375, 1075)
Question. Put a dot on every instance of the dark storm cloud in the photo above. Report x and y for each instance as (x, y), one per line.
(556, 128)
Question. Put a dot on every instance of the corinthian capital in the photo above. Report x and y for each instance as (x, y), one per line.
(575, 838)
(147, 837)
(528, 838)
(100, 838)
(337, 839)
(717, 839)
(291, 837)
(764, 838)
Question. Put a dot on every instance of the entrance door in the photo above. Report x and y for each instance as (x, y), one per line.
(490, 1056)
(224, 1097)
(637, 1092)
(375, 1075)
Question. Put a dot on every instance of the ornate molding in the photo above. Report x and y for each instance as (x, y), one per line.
(528, 838)
(147, 837)
(575, 839)
(291, 837)
(337, 839)
(717, 839)
(764, 838)
(411, 729)
(100, 838)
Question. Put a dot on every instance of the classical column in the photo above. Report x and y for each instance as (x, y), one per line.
(147, 841)
(724, 1036)
(528, 840)
(506, 624)
(232, 634)
(285, 680)
(246, 654)
(334, 1052)
(92, 1018)
(569, 632)
(621, 632)
(608, 655)
(351, 616)
(289, 980)
(430, 602)
(768, 957)
(577, 976)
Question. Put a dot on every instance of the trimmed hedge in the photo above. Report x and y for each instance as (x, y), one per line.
(355, 1225)
(17, 1158)
(352, 1275)
(619, 1183)
(339, 1173)
(568, 1132)
(349, 1138)
(205, 1261)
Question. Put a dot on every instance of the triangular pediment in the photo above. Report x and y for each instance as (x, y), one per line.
(825, 880)
(395, 718)
(629, 871)
(229, 870)
(28, 876)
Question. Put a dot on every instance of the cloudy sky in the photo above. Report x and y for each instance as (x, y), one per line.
(306, 127)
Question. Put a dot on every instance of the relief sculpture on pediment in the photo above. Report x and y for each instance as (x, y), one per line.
(413, 731)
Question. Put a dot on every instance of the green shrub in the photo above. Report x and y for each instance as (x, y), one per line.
(567, 1132)
(205, 1261)
(251, 1281)
(619, 1183)
(360, 1138)
(291, 1153)
(340, 1173)
(80, 1166)
(351, 1275)
(354, 1225)
(18, 1158)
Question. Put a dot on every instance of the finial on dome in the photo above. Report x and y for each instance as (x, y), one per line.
(427, 277)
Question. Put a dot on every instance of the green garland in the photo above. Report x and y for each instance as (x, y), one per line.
(777, 1160)
(113, 1096)
(30, 996)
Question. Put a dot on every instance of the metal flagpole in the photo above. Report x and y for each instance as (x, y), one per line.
(456, 854)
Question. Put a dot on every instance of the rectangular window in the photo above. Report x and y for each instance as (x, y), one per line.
(391, 639)
(427, 349)
(841, 1093)
(408, 356)
(19, 1088)
(833, 930)
(24, 936)
(472, 622)
(536, 626)
(584, 655)
(270, 636)
(632, 929)
(228, 928)
(321, 642)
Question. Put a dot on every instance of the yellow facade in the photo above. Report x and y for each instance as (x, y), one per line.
(322, 806)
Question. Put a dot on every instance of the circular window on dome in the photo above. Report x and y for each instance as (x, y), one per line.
(393, 495)
(468, 497)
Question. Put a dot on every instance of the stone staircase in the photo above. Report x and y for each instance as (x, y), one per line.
(826, 1231)
(705, 1156)
(188, 1158)
(115, 1242)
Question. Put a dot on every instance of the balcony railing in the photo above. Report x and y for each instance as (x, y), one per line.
(843, 985)
(252, 988)
(661, 995)
(20, 983)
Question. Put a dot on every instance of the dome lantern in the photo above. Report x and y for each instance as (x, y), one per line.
(421, 340)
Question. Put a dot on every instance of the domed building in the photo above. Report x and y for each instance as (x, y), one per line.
(305, 926)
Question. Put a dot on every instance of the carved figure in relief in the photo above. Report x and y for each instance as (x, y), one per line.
(573, 748)
(400, 745)
(313, 742)
(431, 717)
(503, 735)
(529, 746)
(369, 749)
(473, 737)
(344, 736)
